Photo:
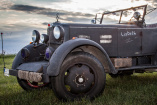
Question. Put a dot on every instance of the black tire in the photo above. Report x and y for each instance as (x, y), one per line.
(121, 74)
(114, 75)
(81, 75)
(28, 85)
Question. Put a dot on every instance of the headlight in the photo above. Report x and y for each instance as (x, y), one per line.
(35, 36)
(44, 38)
(49, 52)
(136, 15)
(58, 32)
(25, 53)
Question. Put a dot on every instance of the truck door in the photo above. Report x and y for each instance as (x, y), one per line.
(129, 42)
(149, 41)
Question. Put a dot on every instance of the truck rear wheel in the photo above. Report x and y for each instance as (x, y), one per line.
(81, 75)
(121, 74)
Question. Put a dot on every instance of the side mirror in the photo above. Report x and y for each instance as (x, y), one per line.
(93, 21)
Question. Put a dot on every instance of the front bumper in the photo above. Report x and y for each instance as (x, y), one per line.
(44, 77)
(32, 71)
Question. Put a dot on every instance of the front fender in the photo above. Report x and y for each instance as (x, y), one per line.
(63, 50)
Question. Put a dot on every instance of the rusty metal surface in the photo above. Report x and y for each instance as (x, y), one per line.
(121, 62)
(45, 77)
(31, 76)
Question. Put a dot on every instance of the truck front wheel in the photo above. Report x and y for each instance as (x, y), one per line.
(81, 75)
(29, 85)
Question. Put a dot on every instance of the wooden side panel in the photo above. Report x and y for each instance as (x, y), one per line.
(121, 62)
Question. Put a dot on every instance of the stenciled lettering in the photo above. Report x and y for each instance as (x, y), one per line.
(128, 33)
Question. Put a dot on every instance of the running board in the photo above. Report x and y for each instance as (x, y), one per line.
(137, 67)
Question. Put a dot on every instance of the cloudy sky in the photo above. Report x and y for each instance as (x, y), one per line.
(19, 17)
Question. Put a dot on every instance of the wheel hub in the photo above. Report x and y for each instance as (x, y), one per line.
(79, 79)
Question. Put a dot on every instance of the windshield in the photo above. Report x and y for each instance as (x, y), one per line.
(122, 16)
(151, 17)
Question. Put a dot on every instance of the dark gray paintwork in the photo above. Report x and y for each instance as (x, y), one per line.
(149, 41)
(129, 45)
(33, 66)
(35, 55)
(63, 50)
(94, 33)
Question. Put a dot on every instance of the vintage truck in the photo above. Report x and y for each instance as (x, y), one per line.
(73, 59)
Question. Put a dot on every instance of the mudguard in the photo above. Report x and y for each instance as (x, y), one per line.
(17, 60)
(64, 49)
(34, 53)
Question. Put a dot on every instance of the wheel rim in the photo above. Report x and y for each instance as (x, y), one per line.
(79, 79)
(36, 84)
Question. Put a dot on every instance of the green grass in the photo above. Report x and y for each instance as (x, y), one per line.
(138, 89)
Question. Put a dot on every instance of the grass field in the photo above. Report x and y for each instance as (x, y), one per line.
(138, 89)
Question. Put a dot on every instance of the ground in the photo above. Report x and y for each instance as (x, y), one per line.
(137, 89)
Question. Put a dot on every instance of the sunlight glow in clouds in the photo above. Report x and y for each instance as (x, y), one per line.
(92, 6)
(20, 17)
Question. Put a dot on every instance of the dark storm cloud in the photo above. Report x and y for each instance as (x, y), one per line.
(45, 23)
(54, 0)
(50, 1)
(154, 0)
(47, 11)
(26, 8)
